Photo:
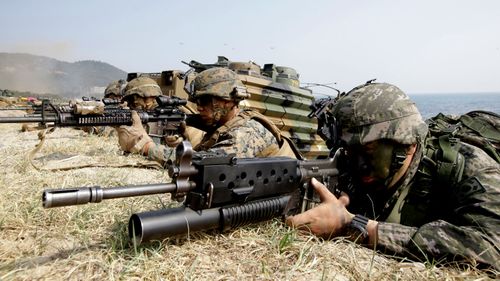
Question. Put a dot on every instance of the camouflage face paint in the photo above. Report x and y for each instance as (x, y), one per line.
(372, 162)
(212, 109)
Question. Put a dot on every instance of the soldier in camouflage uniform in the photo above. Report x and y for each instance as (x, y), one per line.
(141, 93)
(408, 201)
(115, 89)
(217, 93)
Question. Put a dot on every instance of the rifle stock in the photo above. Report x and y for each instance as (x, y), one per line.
(219, 192)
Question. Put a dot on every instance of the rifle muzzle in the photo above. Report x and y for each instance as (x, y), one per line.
(67, 197)
(95, 194)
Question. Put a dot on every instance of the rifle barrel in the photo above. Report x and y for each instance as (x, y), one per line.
(27, 119)
(17, 108)
(95, 194)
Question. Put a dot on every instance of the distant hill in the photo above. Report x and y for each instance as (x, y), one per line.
(38, 74)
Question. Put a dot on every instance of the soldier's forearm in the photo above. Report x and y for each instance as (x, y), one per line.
(438, 240)
(394, 237)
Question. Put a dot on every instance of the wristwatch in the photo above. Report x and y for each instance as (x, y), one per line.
(356, 230)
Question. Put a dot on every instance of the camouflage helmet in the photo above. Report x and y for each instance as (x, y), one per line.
(142, 86)
(376, 111)
(220, 82)
(115, 88)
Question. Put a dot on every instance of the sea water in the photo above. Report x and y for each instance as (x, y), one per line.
(432, 104)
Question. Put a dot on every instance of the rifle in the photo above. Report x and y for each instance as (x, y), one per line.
(199, 67)
(45, 104)
(31, 108)
(16, 108)
(107, 112)
(219, 192)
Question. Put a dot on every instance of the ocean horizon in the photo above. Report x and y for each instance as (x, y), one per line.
(448, 103)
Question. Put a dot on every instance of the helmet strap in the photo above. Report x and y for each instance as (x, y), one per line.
(399, 155)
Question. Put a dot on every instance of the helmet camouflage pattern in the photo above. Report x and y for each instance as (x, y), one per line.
(115, 88)
(142, 86)
(376, 111)
(220, 82)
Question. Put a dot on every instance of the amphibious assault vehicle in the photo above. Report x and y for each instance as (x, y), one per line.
(274, 91)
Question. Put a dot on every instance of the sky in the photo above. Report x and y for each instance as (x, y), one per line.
(424, 46)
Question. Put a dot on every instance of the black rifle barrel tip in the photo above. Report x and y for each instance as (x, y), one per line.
(45, 201)
(57, 198)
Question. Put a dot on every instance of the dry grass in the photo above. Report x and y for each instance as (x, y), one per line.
(90, 242)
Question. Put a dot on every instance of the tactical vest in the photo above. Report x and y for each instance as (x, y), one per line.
(439, 177)
(286, 146)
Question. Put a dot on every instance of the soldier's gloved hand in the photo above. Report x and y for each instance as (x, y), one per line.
(133, 138)
(193, 135)
(174, 140)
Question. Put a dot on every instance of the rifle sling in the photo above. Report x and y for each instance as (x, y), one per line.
(41, 137)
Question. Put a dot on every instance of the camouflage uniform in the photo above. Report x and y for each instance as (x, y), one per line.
(144, 87)
(249, 134)
(243, 135)
(423, 216)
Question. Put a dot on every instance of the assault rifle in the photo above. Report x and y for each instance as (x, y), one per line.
(31, 108)
(107, 112)
(36, 108)
(219, 192)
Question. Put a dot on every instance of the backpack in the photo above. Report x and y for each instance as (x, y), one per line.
(443, 164)
(478, 128)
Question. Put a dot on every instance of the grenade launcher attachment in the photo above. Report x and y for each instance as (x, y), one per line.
(219, 192)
